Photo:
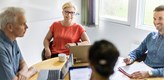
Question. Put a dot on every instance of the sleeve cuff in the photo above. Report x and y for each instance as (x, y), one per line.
(150, 73)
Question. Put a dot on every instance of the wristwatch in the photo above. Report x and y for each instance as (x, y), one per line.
(76, 44)
(150, 73)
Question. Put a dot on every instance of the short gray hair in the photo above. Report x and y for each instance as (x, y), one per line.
(9, 15)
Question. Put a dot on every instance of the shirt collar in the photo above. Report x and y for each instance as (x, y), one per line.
(5, 38)
(160, 35)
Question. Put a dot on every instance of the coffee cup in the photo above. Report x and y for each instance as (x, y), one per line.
(62, 57)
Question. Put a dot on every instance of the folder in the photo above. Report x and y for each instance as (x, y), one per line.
(129, 69)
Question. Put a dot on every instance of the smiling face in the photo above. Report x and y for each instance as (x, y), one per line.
(159, 21)
(68, 14)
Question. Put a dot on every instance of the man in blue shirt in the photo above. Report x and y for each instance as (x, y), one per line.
(154, 45)
(12, 64)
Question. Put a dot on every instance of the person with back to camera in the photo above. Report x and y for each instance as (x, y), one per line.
(65, 33)
(154, 45)
(12, 64)
(102, 58)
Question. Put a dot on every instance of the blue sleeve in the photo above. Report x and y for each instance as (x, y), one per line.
(19, 52)
(138, 52)
(6, 70)
(20, 55)
(158, 72)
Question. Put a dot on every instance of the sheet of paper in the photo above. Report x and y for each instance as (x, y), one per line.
(129, 69)
(80, 74)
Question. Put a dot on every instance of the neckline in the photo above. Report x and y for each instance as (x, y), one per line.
(161, 36)
(61, 22)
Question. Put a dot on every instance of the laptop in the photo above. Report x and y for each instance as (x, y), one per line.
(80, 53)
(56, 74)
(74, 73)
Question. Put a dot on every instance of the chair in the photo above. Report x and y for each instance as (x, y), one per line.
(43, 52)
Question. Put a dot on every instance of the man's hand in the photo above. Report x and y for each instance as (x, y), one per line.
(128, 60)
(140, 74)
(31, 71)
(22, 76)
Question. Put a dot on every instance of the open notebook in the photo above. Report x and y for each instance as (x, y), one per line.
(129, 69)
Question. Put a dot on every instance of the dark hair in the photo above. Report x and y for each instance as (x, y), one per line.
(159, 8)
(103, 56)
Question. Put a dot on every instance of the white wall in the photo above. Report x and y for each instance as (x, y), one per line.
(41, 14)
(124, 37)
(38, 10)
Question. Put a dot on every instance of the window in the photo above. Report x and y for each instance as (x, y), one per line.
(149, 7)
(114, 9)
(136, 13)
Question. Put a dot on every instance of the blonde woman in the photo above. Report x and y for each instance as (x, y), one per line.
(65, 33)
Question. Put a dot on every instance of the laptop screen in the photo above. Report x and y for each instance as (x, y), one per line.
(55, 74)
(74, 73)
(80, 53)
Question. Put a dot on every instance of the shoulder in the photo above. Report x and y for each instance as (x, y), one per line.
(3, 52)
(79, 26)
(2, 46)
(56, 23)
(151, 34)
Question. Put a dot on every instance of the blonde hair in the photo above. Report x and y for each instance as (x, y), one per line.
(68, 5)
(9, 15)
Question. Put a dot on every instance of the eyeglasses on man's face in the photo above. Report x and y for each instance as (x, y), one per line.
(69, 12)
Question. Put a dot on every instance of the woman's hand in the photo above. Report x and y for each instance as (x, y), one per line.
(68, 45)
(47, 53)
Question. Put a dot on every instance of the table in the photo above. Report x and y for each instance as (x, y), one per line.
(54, 63)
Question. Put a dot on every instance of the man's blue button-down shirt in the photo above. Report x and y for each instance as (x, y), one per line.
(154, 45)
(10, 57)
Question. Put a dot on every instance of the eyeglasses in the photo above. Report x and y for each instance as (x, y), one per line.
(69, 12)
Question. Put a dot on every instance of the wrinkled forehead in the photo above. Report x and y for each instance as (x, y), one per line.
(21, 18)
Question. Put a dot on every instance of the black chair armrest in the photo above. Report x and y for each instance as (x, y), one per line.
(43, 52)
